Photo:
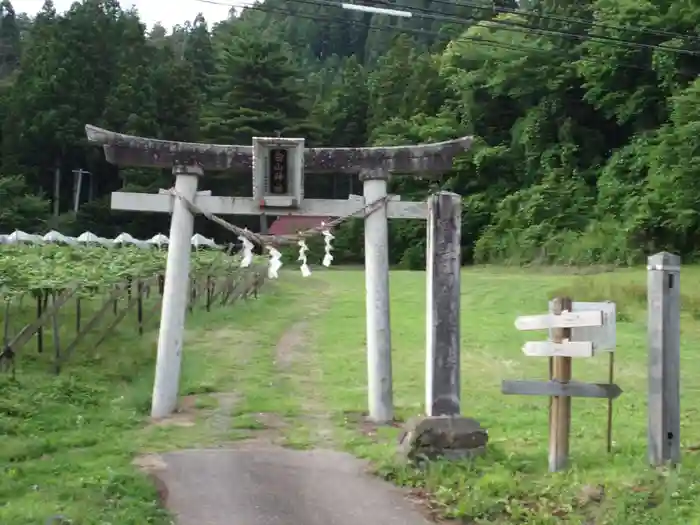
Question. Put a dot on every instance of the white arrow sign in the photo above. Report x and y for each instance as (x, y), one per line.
(564, 349)
(565, 320)
(602, 337)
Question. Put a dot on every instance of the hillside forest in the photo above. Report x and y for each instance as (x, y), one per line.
(585, 114)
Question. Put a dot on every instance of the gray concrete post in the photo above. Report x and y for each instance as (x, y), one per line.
(175, 295)
(379, 374)
(663, 289)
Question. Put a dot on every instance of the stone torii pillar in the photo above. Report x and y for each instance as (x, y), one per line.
(374, 166)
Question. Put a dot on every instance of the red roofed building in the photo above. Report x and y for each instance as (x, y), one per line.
(290, 224)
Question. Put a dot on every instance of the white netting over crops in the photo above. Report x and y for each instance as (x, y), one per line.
(269, 243)
(123, 239)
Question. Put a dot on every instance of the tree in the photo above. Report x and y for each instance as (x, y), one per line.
(199, 52)
(69, 69)
(130, 105)
(345, 110)
(21, 208)
(422, 90)
(176, 97)
(256, 91)
(9, 40)
(31, 97)
(583, 144)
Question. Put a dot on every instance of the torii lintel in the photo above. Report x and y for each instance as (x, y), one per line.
(133, 151)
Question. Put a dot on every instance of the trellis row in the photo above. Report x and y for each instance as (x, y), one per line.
(278, 166)
(216, 291)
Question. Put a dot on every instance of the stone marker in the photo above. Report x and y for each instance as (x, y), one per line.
(443, 433)
(442, 267)
(450, 437)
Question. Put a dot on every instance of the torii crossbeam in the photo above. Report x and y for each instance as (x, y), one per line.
(129, 150)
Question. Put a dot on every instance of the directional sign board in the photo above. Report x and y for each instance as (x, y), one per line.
(563, 349)
(568, 347)
(575, 330)
(555, 388)
(565, 320)
(602, 337)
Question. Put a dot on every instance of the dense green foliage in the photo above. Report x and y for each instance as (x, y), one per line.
(585, 114)
(54, 267)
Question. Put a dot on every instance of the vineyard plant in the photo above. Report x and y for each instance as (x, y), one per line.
(64, 297)
(89, 314)
(31, 268)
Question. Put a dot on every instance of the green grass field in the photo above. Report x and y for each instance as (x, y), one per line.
(290, 368)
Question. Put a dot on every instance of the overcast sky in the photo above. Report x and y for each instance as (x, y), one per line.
(167, 12)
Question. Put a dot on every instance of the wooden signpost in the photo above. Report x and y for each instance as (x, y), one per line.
(576, 330)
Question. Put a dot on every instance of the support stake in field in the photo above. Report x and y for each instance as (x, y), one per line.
(56, 333)
(39, 312)
(611, 380)
(78, 314)
(139, 305)
(6, 324)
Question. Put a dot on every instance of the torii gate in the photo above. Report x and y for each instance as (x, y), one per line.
(278, 166)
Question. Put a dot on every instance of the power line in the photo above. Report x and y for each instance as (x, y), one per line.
(321, 18)
(515, 26)
(509, 25)
(477, 40)
(571, 19)
(553, 17)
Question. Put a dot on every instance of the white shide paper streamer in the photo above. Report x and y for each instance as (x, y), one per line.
(275, 263)
(328, 239)
(303, 248)
(247, 251)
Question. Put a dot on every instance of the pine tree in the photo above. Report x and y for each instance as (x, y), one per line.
(9, 40)
(27, 134)
(422, 90)
(130, 106)
(346, 111)
(255, 93)
(199, 52)
(176, 97)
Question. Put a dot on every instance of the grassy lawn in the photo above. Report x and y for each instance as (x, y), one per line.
(511, 484)
(68, 442)
(65, 447)
(290, 368)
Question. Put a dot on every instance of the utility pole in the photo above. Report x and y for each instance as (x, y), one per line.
(56, 190)
(77, 186)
